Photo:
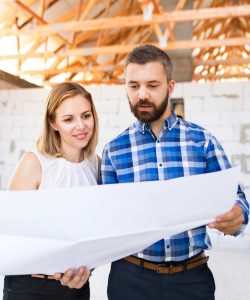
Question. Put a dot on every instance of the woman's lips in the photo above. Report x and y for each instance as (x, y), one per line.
(80, 136)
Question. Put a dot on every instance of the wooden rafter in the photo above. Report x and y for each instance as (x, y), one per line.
(94, 37)
(178, 45)
(129, 21)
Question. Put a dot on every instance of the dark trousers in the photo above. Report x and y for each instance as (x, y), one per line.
(130, 282)
(26, 287)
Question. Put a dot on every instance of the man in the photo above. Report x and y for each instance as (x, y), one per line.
(160, 146)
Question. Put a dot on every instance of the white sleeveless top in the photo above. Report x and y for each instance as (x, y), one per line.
(59, 172)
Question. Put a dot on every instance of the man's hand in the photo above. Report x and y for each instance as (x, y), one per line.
(73, 279)
(230, 222)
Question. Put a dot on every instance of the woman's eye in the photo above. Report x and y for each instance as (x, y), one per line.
(67, 120)
(87, 116)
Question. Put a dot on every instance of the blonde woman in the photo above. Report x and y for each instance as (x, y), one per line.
(64, 157)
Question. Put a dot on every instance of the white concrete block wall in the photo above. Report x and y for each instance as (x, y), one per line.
(222, 108)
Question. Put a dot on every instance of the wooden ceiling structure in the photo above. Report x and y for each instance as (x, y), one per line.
(86, 41)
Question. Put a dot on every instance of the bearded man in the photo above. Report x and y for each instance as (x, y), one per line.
(161, 146)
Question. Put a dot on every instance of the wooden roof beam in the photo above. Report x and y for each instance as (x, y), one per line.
(178, 45)
(213, 62)
(214, 77)
(41, 20)
(131, 21)
(72, 69)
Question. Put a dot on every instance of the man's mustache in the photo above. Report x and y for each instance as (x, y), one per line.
(144, 102)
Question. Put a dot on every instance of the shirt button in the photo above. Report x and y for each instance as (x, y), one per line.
(168, 246)
(160, 164)
(158, 141)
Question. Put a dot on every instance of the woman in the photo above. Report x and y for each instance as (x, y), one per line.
(64, 158)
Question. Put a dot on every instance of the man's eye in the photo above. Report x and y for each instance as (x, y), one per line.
(133, 86)
(153, 86)
(67, 120)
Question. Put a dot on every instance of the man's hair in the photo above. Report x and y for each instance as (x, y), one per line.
(148, 53)
(49, 141)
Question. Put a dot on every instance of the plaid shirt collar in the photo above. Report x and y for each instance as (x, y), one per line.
(170, 122)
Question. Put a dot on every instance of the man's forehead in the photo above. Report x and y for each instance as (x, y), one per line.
(149, 72)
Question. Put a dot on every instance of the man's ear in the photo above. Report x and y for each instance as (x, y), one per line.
(171, 86)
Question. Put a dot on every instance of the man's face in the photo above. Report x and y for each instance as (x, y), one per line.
(148, 90)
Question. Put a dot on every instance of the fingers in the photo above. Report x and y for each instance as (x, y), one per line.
(234, 213)
(230, 222)
(75, 279)
(57, 276)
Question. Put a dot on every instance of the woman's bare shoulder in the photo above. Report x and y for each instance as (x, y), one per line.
(27, 174)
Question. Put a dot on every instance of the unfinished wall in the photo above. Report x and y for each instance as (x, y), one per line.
(222, 108)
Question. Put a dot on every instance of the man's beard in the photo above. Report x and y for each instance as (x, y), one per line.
(148, 117)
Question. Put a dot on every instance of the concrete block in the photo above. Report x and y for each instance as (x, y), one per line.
(232, 89)
(27, 120)
(234, 148)
(95, 91)
(7, 107)
(197, 90)
(30, 133)
(223, 134)
(6, 121)
(21, 95)
(178, 91)
(24, 145)
(218, 104)
(236, 133)
(11, 158)
(242, 241)
(245, 133)
(242, 160)
(235, 118)
(110, 133)
(193, 105)
(33, 108)
(11, 133)
(113, 91)
(4, 95)
(244, 180)
(238, 104)
(119, 120)
(205, 118)
(246, 96)
(109, 105)
(39, 95)
(123, 107)
(103, 120)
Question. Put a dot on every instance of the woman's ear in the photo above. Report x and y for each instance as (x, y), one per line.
(53, 125)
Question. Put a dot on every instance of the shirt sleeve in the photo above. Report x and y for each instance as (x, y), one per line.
(108, 171)
(217, 160)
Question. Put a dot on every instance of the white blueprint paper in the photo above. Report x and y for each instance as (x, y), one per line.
(48, 231)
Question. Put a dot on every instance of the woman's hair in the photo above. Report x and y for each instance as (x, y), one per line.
(49, 141)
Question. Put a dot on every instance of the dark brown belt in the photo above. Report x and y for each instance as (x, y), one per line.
(169, 268)
(42, 276)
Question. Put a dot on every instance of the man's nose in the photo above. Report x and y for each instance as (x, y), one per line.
(143, 93)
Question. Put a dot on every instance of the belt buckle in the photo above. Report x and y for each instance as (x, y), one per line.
(159, 266)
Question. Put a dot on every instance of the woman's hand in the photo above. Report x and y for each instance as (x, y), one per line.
(73, 279)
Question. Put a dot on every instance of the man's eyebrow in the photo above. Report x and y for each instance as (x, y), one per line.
(154, 81)
(150, 81)
(133, 81)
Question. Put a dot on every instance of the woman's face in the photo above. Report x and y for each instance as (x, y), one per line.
(75, 123)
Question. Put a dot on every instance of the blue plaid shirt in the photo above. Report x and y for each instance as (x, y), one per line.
(181, 149)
